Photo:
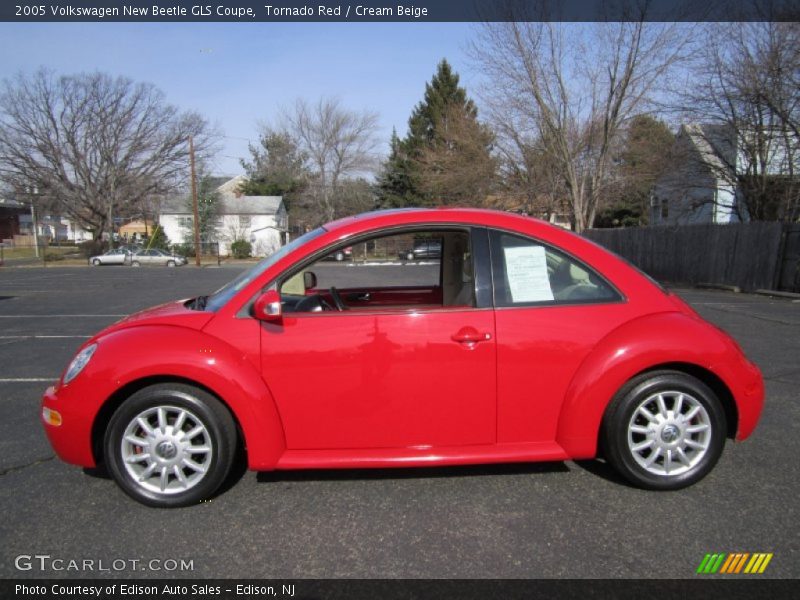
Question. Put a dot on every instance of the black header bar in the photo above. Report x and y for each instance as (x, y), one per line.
(397, 589)
(409, 11)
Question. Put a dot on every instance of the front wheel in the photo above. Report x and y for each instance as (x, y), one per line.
(664, 430)
(170, 445)
(136, 263)
(96, 262)
(170, 263)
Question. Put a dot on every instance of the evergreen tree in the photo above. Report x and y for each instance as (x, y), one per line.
(443, 131)
(430, 116)
(158, 239)
(643, 158)
(278, 166)
(394, 184)
(207, 210)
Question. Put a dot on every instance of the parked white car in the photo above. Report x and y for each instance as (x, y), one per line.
(154, 256)
(115, 256)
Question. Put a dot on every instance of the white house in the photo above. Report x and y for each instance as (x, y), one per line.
(260, 220)
(699, 185)
(707, 168)
(54, 228)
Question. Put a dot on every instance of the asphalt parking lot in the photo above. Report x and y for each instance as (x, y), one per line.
(522, 521)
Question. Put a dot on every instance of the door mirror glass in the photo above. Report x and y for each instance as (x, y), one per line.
(267, 306)
(309, 280)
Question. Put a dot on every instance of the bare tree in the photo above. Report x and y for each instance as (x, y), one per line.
(92, 144)
(568, 90)
(339, 143)
(746, 94)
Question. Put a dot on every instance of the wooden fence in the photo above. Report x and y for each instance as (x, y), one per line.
(749, 255)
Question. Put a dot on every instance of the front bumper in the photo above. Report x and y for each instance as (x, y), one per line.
(72, 439)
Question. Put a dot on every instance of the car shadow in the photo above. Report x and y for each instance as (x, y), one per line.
(238, 470)
(411, 472)
(98, 472)
(602, 469)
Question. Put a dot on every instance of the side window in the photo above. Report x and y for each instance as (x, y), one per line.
(529, 273)
(408, 270)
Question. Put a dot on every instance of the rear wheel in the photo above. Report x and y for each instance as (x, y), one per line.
(664, 430)
(170, 445)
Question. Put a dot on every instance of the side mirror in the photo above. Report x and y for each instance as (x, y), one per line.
(309, 280)
(267, 306)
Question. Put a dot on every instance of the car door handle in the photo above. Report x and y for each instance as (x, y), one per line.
(470, 336)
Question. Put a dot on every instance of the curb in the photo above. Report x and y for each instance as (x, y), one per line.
(719, 286)
(779, 294)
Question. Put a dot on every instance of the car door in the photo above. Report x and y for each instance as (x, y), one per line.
(152, 257)
(386, 376)
(551, 311)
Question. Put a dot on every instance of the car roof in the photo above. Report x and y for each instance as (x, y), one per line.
(444, 215)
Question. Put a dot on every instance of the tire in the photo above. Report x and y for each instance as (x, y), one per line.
(664, 430)
(170, 263)
(170, 475)
(96, 262)
(136, 263)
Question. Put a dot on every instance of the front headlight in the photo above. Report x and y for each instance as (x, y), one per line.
(79, 362)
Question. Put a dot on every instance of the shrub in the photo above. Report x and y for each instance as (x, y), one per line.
(92, 247)
(158, 239)
(241, 249)
(185, 249)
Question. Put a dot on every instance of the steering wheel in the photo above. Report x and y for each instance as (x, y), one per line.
(337, 299)
(315, 303)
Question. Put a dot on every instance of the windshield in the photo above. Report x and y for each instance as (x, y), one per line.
(219, 298)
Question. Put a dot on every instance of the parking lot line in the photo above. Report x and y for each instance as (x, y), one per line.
(26, 379)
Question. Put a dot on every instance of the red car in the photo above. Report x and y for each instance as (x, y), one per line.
(523, 342)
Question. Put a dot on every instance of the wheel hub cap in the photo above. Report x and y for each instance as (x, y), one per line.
(670, 434)
(166, 450)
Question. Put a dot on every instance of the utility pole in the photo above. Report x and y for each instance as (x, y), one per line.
(31, 193)
(194, 205)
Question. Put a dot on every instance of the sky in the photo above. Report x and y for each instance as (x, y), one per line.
(240, 75)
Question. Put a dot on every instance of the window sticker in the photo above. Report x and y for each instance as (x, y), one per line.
(526, 268)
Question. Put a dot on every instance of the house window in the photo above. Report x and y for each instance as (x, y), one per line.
(244, 221)
(186, 222)
(664, 208)
(281, 221)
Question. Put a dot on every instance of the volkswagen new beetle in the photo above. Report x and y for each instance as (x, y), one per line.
(522, 342)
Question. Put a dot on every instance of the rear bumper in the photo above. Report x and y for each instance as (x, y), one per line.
(72, 439)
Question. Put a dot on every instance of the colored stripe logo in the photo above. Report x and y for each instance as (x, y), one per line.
(735, 563)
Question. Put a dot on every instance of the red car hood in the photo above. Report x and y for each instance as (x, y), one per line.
(171, 313)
